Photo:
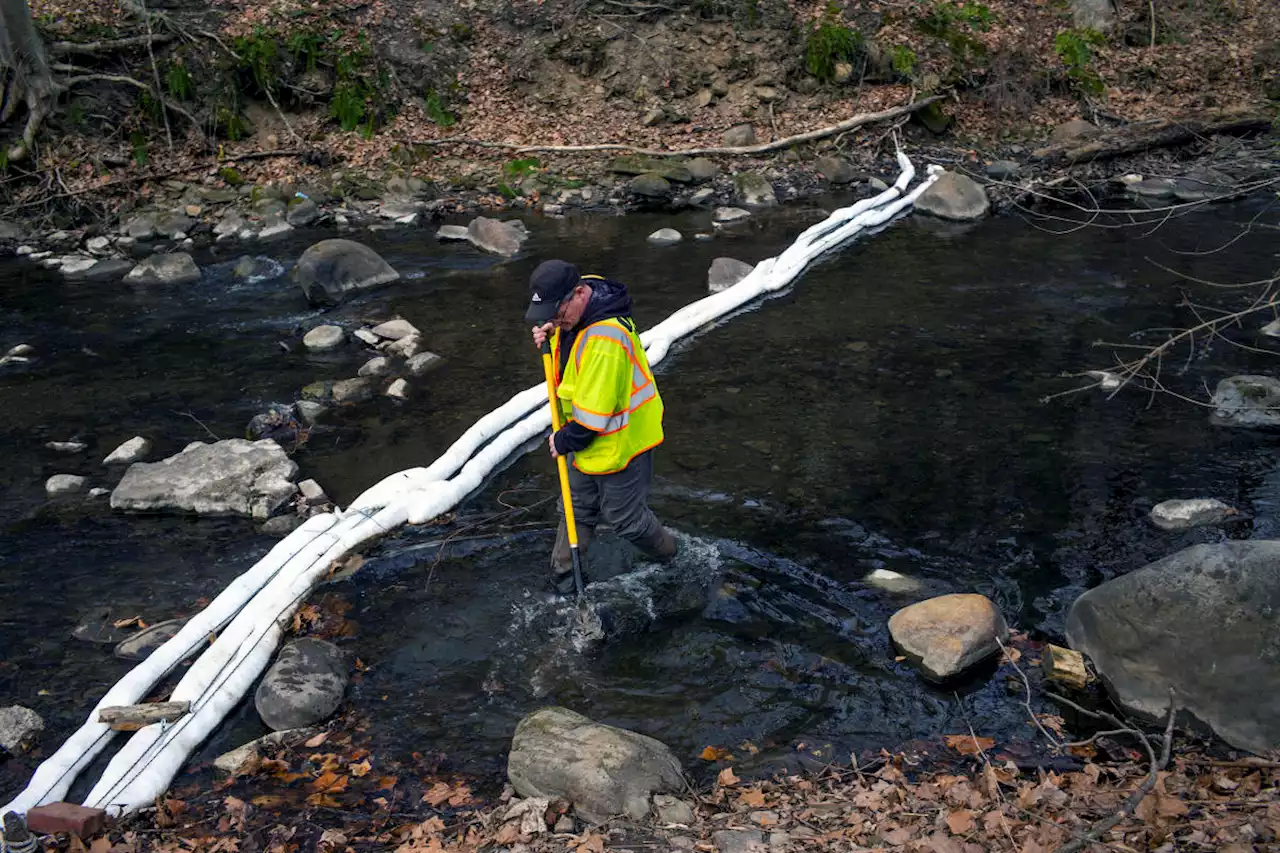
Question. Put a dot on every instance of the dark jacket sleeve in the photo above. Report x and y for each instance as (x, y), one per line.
(573, 437)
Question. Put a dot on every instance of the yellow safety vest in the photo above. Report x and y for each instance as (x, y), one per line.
(608, 387)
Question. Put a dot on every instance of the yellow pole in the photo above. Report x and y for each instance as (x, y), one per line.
(549, 370)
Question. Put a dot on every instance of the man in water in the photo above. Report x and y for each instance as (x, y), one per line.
(611, 409)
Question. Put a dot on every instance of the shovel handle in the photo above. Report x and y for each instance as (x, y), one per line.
(549, 370)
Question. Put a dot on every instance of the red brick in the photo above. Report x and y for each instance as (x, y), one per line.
(66, 817)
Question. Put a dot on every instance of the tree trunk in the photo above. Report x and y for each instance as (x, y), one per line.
(25, 77)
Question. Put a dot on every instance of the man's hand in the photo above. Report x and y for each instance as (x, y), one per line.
(551, 443)
(541, 333)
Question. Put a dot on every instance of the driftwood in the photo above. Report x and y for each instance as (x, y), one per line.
(764, 148)
(130, 718)
(1146, 136)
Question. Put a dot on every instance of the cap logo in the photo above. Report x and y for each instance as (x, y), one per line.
(537, 298)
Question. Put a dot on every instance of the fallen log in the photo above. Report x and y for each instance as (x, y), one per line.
(1147, 136)
(763, 148)
(130, 718)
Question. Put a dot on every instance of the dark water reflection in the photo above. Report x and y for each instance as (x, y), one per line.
(896, 387)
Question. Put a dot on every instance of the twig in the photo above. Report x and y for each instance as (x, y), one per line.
(1130, 805)
(200, 422)
(776, 145)
(155, 73)
(1026, 702)
(1151, 7)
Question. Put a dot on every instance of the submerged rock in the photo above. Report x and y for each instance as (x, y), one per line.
(63, 484)
(946, 635)
(256, 268)
(304, 686)
(1201, 621)
(1185, 514)
(142, 644)
(727, 215)
(501, 238)
(229, 477)
(1247, 401)
(332, 269)
(394, 330)
(665, 237)
(422, 363)
(603, 771)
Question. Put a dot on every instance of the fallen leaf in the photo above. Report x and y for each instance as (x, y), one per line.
(960, 821)
(361, 769)
(329, 783)
(437, 794)
(968, 744)
(589, 843)
(125, 623)
(315, 741)
(269, 801)
(386, 783)
(715, 753)
(726, 778)
(752, 798)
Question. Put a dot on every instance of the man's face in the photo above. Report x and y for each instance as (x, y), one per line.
(572, 308)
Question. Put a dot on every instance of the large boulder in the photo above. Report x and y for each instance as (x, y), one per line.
(501, 238)
(603, 771)
(954, 196)
(726, 272)
(304, 685)
(332, 269)
(1201, 621)
(946, 635)
(177, 268)
(229, 477)
(650, 185)
(1247, 401)
(836, 170)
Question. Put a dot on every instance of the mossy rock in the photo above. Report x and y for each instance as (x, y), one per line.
(631, 164)
(934, 118)
(318, 392)
(232, 177)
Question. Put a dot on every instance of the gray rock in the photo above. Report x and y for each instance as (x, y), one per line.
(63, 484)
(142, 644)
(453, 232)
(98, 245)
(323, 338)
(726, 272)
(668, 809)
(398, 390)
(232, 225)
(10, 232)
(394, 330)
(76, 266)
(302, 212)
(877, 184)
(303, 686)
(1072, 131)
(256, 268)
(66, 446)
(753, 189)
(229, 477)
(423, 363)
(274, 225)
(367, 336)
(956, 197)
(133, 450)
(703, 196)
(108, 269)
(1097, 15)
(633, 164)
(1247, 401)
(1185, 514)
(701, 169)
(355, 390)
(309, 411)
(177, 268)
(892, 582)
(1201, 621)
(739, 841)
(501, 238)
(98, 492)
(281, 525)
(19, 728)
(332, 269)
(312, 492)
(651, 185)
(728, 215)
(140, 227)
(406, 348)
(378, 366)
(21, 349)
(665, 237)
(1203, 185)
(836, 170)
(946, 635)
(401, 211)
(739, 136)
(603, 771)
(245, 757)
(172, 224)
(1003, 170)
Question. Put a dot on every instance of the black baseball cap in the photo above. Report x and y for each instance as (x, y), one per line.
(550, 283)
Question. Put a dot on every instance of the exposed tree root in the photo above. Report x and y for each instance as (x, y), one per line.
(98, 48)
(764, 148)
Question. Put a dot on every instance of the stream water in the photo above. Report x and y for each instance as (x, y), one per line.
(884, 413)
